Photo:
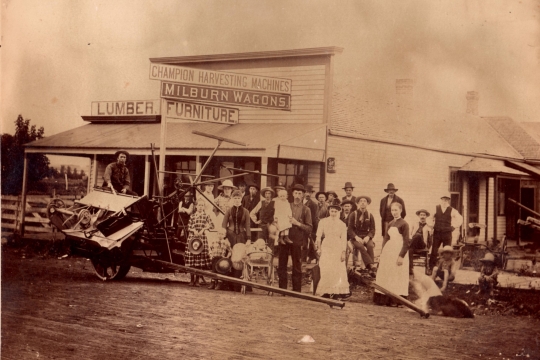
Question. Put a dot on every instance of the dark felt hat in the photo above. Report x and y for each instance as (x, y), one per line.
(390, 187)
(319, 193)
(363, 197)
(223, 266)
(335, 205)
(348, 184)
(120, 152)
(349, 202)
(195, 246)
(332, 192)
(309, 188)
(423, 211)
(298, 187)
(250, 184)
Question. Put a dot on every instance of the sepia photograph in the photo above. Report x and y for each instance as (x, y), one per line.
(270, 179)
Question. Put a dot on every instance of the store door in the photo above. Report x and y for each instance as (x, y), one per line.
(509, 189)
(527, 199)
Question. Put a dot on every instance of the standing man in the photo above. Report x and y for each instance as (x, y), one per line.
(348, 193)
(361, 230)
(263, 213)
(249, 202)
(117, 175)
(386, 203)
(308, 249)
(419, 235)
(446, 220)
(322, 206)
(301, 228)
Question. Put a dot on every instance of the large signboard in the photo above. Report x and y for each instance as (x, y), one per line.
(200, 112)
(221, 79)
(207, 94)
(126, 108)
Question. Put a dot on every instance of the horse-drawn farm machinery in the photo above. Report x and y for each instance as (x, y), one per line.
(117, 231)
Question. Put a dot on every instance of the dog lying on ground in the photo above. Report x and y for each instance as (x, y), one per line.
(431, 299)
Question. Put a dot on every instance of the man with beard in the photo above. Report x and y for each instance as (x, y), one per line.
(386, 203)
(301, 228)
(420, 236)
(308, 249)
(116, 175)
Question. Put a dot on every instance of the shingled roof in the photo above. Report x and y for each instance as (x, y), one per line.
(418, 124)
(533, 129)
(516, 135)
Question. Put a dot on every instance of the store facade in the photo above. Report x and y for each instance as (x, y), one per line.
(299, 125)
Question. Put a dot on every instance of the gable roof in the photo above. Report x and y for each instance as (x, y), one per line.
(533, 129)
(418, 124)
(516, 136)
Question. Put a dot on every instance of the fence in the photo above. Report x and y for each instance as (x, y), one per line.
(37, 224)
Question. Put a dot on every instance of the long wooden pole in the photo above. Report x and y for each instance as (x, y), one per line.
(524, 207)
(396, 297)
(252, 284)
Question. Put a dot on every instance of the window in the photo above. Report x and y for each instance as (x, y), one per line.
(454, 187)
(186, 166)
(292, 172)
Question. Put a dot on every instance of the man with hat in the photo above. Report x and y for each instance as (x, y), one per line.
(301, 228)
(322, 205)
(249, 202)
(242, 187)
(347, 207)
(420, 236)
(117, 174)
(224, 201)
(361, 230)
(446, 220)
(386, 204)
(263, 213)
(331, 195)
(348, 193)
(308, 249)
(445, 268)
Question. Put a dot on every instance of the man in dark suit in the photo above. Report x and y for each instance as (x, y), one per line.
(249, 201)
(308, 249)
(348, 193)
(386, 202)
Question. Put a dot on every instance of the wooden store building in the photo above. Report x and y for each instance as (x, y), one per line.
(300, 125)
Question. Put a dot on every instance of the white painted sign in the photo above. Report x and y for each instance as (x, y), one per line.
(220, 79)
(126, 108)
(200, 112)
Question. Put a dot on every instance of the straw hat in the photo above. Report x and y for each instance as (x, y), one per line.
(264, 190)
(223, 266)
(446, 249)
(238, 252)
(227, 183)
(422, 211)
(489, 257)
(368, 199)
(195, 246)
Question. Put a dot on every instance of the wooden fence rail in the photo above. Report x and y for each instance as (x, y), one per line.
(35, 213)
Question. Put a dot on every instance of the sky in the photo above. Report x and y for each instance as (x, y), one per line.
(58, 56)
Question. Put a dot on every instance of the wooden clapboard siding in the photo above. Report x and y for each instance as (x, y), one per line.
(307, 95)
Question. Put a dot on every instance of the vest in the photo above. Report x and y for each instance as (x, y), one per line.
(420, 230)
(266, 213)
(443, 221)
(361, 228)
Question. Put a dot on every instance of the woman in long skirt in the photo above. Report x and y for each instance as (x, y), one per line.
(393, 271)
(199, 222)
(334, 282)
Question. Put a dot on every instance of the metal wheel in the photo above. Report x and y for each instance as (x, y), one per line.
(106, 268)
(503, 255)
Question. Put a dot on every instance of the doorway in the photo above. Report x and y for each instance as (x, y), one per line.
(509, 189)
(527, 199)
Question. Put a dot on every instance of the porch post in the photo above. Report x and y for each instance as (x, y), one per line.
(147, 175)
(23, 197)
(264, 170)
(93, 173)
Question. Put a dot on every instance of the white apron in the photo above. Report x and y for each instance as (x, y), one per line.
(390, 276)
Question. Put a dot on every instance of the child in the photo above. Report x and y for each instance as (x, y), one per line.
(488, 275)
(445, 267)
(199, 222)
(218, 249)
(282, 216)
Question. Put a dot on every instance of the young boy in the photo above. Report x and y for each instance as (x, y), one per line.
(488, 275)
(282, 216)
(445, 267)
(218, 249)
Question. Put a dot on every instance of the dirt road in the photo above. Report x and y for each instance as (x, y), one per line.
(57, 309)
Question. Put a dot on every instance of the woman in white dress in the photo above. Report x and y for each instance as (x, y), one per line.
(393, 271)
(334, 282)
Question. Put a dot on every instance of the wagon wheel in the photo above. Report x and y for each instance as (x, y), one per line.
(107, 268)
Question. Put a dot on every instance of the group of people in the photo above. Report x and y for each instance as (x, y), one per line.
(312, 228)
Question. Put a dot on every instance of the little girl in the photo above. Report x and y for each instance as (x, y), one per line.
(282, 216)
(199, 222)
